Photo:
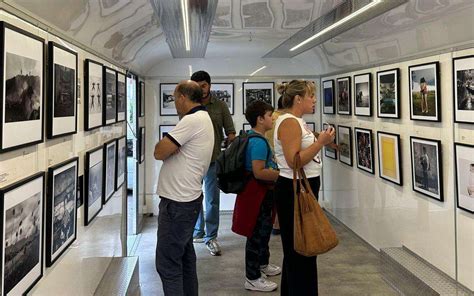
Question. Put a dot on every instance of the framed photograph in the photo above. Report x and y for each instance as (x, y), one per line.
(121, 96)
(364, 149)
(110, 96)
(363, 94)
(121, 161)
(389, 157)
(167, 107)
(141, 145)
(93, 86)
(311, 126)
(256, 14)
(425, 103)
(62, 96)
(328, 96)
(225, 93)
(426, 167)
(463, 86)
(110, 157)
(344, 139)
(94, 193)
(165, 128)
(142, 98)
(330, 152)
(344, 105)
(388, 102)
(61, 209)
(246, 127)
(80, 191)
(22, 88)
(464, 157)
(257, 91)
(22, 234)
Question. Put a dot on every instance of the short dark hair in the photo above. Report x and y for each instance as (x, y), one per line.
(256, 109)
(190, 90)
(201, 76)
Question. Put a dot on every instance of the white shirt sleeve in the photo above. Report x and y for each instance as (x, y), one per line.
(184, 130)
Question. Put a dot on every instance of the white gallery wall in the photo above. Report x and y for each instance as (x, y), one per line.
(388, 215)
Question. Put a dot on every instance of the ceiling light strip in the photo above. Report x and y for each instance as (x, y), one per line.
(256, 71)
(184, 10)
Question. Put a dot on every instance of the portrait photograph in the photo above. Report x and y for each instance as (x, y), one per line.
(110, 96)
(164, 129)
(93, 188)
(463, 86)
(121, 161)
(389, 157)
(93, 92)
(22, 233)
(225, 93)
(426, 165)
(364, 149)
(388, 103)
(344, 96)
(22, 98)
(363, 94)
(110, 156)
(424, 92)
(464, 161)
(167, 106)
(328, 151)
(121, 97)
(328, 97)
(255, 91)
(344, 141)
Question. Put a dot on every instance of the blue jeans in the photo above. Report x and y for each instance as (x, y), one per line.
(212, 200)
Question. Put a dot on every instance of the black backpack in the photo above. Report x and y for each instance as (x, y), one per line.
(230, 164)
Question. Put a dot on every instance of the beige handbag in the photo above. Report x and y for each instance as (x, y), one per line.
(313, 233)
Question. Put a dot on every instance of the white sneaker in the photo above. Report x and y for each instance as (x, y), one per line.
(213, 247)
(261, 284)
(270, 270)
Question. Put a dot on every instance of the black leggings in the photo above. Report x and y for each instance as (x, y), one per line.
(300, 274)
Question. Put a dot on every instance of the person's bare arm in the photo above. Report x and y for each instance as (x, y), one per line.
(261, 173)
(165, 148)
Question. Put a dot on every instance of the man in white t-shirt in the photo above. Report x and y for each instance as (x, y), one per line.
(186, 153)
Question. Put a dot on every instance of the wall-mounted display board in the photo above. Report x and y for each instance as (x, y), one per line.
(109, 96)
(425, 101)
(257, 91)
(364, 149)
(427, 167)
(344, 141)
(22, 234)
(94, 168)
(22, 88)
(93, 92)
(121, 161)
(225, 93)
(142, 99)
(389, 157)
(328, 151)
(388, 93)
(344, 104)
(167, 106)
(328, 97)
(164, 129)
(463, 86)
(62, 95)
(121, 97)
(110, 157)
(363, 94)
(141, 145)
(464, 162)
(61, 209)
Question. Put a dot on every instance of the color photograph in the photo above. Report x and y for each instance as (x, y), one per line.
(362, 94)
(328, 96)
(389, 157)
(424, 94)
(387, 94)
(330, 152)
(344, 141)
(364, 147)
(463, 81)
(344, 96)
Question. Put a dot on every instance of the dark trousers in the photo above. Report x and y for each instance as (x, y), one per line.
(175, 256)
(300, 274)
(257, 252)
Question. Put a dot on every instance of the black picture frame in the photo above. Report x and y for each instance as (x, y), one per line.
(246, 127)
(93, 171)
(109, 178)
(109, 110)
(20, 126)
(363, 83)
(397, 156)
(311, 125)
(328, 97)
(396, 89)
(164, 129)
(224, 92)
(251, 89)
(344, 97)
(342, 130)
(80, 191)
(166, 97)
(424, 71)
(61, 123)
(121, 164)
(460, 90)
(93, 75)
(464, 187)
(330, 152)
(141, 145)
(142, 99)
(121, 96)
(364, 144)
(67, 201)
(29, 194)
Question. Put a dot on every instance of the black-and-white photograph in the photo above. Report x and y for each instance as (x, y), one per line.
(311, 126)
(80, 191)
(464, 160)
(256, 14)
(328, 97)
(344, 139)
(165, 128)
(463, 85)
(110, 96)
(95, 183)
(64, 91)
(426, 166)
(121, 97)
(94, 192)
(424, 92)
(246, 127)
(167, 106)
(225, 93)
(364, 150)
(93, 94)
(362, 94)
(328, 151)
(223, 17)
(142, 145)
(255, 91)
(121, 159)
(388, 102)
(297, 14)
(110, 150)
(344, 96)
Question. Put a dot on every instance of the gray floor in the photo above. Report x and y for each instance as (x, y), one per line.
(352, 268)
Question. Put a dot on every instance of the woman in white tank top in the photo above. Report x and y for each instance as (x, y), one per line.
(291, 136)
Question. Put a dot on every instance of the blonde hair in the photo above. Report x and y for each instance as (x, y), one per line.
(293, 88)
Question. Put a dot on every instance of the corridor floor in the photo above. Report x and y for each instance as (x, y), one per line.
(352, 268)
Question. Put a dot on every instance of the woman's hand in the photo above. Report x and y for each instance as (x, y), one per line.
(326, 137)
